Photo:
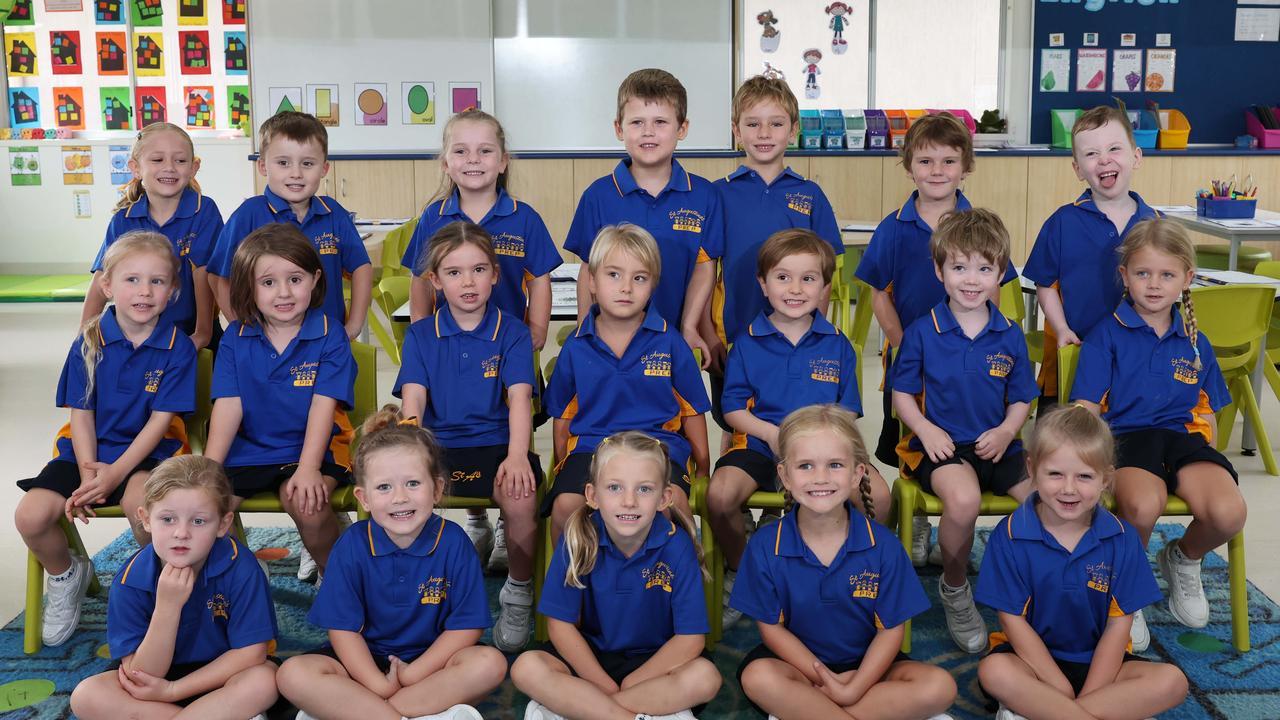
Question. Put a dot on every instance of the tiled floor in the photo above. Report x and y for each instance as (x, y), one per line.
(34, 339)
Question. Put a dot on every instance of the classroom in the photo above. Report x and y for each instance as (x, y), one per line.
(734, 198)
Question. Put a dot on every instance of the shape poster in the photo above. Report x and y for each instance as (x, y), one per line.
(322, 101)
(198, 107)
(24, 165)
(238, 106)
(285, 99)
(1091, 70)
(235, 48)
(112, 51)
(64, 51)
(463, 96)
(117, 108)
(195, 51)
(151, 105)
(371, 104)
(24, 108)
(419, 103)
(1126, 71)
(68, 108)
(20, 53)
(77, 165)
(1055, 70)
(1160, 70)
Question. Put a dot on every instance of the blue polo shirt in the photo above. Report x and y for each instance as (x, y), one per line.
(520, 239)
(1076, 249)
(466, 374)
(327, 224)
(631, 605)
(898, 261)
(1067, 597)
(129, 384)
(769, 376)
(685, 219)
(229, 607)
(193, 230)
(1143, 381)
(837, 609)
(967, 384)
(655, 384)
(754, 210)
(401, 600)
(275, 389)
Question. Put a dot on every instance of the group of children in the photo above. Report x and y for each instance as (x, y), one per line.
(680, 275)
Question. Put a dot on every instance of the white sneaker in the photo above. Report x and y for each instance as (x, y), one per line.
(62, 606)
(1139, 635)
(729, 615)
(765, 519)
(942, 716)
(457, 712)
(921, 535)
(511, 631)
(498, 558)
(1005, 713)
(307, 567)
(682, 715)
(749, 522)
(259, 716)
(302, 715)
(935, 554)
(534, 711)
(481, 535)
(1187, 602)
(967, 627)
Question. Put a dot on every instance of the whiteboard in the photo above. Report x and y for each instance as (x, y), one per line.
(558, 64)
(333, 51)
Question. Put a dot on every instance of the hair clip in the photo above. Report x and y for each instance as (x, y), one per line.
(409, 421)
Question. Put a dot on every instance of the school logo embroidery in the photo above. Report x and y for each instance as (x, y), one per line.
(151, 380)
(865, 584)
(326, 244)
(1184, 371)
(490, 366)
(800, 202)
(656, 364)
(687, 220)
(824, 370)
(304, 375)
(434, 590)
(508, 244)
(184, 245)
(658, 576)
(218, 607)
(999, 365)
(1099, 576)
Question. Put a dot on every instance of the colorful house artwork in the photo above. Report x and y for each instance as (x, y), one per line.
(115, 114)
(237, 53)
(21, 13)
(22, 58)
(233, 12)
(195, 52)
(148, 10)
(148, 53)
(64, 48)
(108, 11)
(70, 113)
(238, 105)
(191, 9)
(200, 107)
(25, 109)
(111, 57)
(150, 106)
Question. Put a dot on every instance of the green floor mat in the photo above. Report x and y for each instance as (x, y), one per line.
(44, 288)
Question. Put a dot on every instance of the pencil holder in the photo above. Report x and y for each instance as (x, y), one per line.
(1225, 208)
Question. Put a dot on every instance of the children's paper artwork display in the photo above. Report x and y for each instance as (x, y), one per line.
(1160, 70)
(148, 54)
(146, 13)
(811, 71)
(322, 101)
(419, 103)
(839, 13)
(24, 107)
(118, 157)
(117, 108)
(238, 104)
(23, 13)
(68, 108)
(770, 35)
(464, 95)
(1126, 71)
(20, 53)
(150, 105)
(235, 50)
(233, 12)
(1055, 70)
(77, 165)
(198, 106)
(196, 53)
(193, 12)
(285, 99)
(113, 55)
(24, 165)
(64, 52)
(371, 104)
(108, 12)
(1091, 70)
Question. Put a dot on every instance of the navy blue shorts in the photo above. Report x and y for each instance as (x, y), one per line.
(249, 480)
(762, 652)
(63, 477)
(763, 470)
(473, 469)
(1076, 672)
(574, 473)
(1164, 452)
(996, 477)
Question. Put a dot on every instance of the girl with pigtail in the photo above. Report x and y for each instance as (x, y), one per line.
(623, 600)
(1154, 378)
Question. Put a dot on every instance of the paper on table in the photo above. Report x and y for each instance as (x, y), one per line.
(1234, 277)
(567, 271)
(1174, 208)
(859, 227)
(1241, 223)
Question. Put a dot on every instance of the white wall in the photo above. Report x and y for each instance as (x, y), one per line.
(39, 232)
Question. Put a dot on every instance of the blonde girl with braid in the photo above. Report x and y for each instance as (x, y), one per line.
(623, 600)
(830, 589)
(164, 197)
(1155, 380)
(128, 379)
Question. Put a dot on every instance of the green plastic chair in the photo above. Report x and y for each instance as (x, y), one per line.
(1216, 257)
(388, 296)
(393, 247)
(198, 424)
(1271, 268)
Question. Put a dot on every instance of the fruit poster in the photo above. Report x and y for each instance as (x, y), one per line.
(1160, 69)
(1126, 71)
(1091, 70)
(1055, 70)
(77, 165)
(24, 165)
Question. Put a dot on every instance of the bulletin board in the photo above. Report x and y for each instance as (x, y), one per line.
(1215, 77)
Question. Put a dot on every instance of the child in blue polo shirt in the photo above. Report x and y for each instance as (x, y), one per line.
(282, 381)
(624, 368)
(1073, 262)
(623, 600)
(164, 197)
(467, 373)
(1157, 383)
(650, 189)
(788, 357)
(128, 380)
(830, 590)
(403, 600)
(1066, 577)
(963, 384)
(293, 157)
(190, 618)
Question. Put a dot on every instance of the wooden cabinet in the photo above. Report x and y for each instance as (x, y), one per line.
(373, 188)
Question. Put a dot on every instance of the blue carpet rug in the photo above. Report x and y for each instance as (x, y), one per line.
(1224, 683)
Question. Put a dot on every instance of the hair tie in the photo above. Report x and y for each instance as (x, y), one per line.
(409, 421)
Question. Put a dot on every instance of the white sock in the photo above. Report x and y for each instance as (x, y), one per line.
(477, 519)
(1179, 556)
(952, 590)
(519, 584)
(66, 574)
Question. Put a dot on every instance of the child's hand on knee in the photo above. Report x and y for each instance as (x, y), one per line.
(991, 444)
(937, 443)
(146, 687)
(516, 475)
(837, 687)
(306, 488)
